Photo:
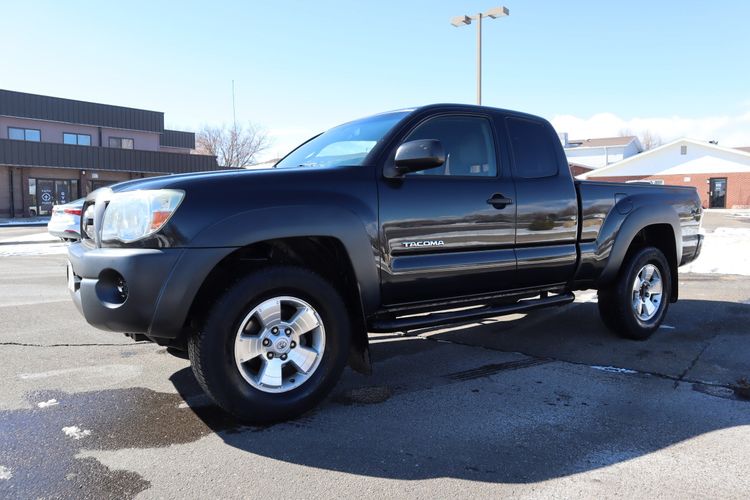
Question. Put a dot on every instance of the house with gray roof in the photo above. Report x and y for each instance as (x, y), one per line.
(600, 152)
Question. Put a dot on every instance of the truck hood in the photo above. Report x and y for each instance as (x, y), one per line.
(211, 197)
(169, 181)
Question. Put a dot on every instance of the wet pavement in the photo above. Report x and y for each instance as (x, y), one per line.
(547, 404)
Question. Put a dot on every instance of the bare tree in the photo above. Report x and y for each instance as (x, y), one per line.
(648, 139)
(234, 146)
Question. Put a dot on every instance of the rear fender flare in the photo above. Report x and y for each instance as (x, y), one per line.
(619, 231)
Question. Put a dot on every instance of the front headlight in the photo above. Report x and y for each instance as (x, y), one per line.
(133, 215)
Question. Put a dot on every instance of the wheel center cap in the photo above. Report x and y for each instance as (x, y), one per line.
(281, 345)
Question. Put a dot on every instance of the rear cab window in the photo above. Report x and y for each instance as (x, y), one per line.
(533, 153)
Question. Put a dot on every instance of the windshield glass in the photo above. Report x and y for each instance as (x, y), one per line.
(346, 144)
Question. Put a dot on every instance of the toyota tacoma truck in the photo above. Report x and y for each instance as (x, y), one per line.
(442, 214)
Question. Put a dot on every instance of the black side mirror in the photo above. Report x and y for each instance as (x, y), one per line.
(414, 156)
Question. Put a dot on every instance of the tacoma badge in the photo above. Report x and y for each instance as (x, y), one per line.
(425, 243)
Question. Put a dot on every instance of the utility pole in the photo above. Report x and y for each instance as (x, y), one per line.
(234, 109)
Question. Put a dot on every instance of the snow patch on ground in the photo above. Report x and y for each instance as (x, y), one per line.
(612, 369)
(41, 243)
(5, 473)
(586, 296)
(75, 432)
(725, 251)
(47, 404)
(32, 238)
(57, 248)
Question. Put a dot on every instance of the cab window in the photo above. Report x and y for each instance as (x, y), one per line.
(532, 147)
(468, 144)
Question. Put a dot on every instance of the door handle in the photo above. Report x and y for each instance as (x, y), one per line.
(499, 201)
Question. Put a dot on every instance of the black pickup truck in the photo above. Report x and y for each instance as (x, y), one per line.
(271, 279)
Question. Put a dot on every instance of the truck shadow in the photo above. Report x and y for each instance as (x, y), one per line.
(698, 340)
(530, 419)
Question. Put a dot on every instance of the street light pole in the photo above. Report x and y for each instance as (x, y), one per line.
(493, 13)
(479, 59)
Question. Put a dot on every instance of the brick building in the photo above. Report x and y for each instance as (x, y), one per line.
(55, 150)
(577, 169)
(721, 175)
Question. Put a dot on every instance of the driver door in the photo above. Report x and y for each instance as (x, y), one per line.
(440, 234)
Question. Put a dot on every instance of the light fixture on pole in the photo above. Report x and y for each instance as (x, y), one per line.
(458, 21)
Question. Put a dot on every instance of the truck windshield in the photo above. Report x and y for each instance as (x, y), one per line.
(347, 144)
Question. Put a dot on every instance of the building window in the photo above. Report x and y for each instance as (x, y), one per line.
(24, 134)
(683, 150)
(120, 143)
(96, 184)
(79, 139)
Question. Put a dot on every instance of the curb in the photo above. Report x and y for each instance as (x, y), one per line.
(24, 221)
(25, 224)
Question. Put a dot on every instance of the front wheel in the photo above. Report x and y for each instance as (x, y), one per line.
(636, 303)
(273, 346)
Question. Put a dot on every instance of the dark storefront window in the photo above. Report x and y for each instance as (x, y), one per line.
(93, 185)
(120, 143)
(44, 193)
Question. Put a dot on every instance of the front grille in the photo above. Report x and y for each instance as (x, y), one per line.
(87, 222)
(93, 214)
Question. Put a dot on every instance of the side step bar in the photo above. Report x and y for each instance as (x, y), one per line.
(446, 318)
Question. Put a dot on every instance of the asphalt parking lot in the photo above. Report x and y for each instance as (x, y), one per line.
(549, 404)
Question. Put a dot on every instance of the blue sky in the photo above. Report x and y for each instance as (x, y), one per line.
(592, 67)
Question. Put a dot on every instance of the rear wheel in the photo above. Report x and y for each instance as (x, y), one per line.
(273, 345)
(636, 303)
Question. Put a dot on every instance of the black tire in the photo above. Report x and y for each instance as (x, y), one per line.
(178, 352)
(616, 301)
(211, 349)
(606, 311)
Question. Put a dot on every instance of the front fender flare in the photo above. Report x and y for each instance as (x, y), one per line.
(219, 240)
(358, 237)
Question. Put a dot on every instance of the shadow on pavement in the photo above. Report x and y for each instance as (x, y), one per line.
(531, 422)
(699, 340)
